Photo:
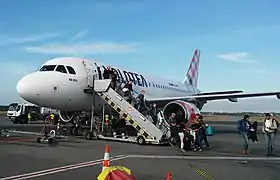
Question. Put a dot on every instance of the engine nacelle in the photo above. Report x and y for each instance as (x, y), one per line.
(66, 116)
(186, 109)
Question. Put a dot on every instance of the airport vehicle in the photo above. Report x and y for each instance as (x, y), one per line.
(21, 113)
(12, 110)
(64, 83)
(17, 112)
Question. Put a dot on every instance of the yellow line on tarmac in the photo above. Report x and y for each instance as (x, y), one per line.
(202, 173)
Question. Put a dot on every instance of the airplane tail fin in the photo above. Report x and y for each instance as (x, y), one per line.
(191, 78)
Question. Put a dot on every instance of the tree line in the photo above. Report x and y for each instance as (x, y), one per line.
(4, 108)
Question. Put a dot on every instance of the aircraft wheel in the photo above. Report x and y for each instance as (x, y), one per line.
(89, 135)
(141, 140)
(51, 141)
(95, 134)
(80, 131)
(74, 131)
(39, 140)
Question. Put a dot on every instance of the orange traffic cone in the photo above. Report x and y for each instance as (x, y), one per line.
(169, 177)
(106, 161)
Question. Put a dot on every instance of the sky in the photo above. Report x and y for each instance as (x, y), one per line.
(238, 41)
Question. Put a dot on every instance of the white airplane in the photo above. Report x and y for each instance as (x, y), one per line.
(60, 84)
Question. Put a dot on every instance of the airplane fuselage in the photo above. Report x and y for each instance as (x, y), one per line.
(64, 91)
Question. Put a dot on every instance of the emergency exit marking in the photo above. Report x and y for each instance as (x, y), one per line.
(129, 109)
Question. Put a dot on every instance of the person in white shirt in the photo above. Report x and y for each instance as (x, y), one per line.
(269, 129)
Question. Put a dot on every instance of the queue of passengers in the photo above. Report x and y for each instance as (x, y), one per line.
(194, 133)
(248, 130)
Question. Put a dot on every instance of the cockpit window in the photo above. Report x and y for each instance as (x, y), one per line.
(48, 68)
(61, 68)
(70, 70)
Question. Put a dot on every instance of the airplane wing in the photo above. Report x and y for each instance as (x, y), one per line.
(221, 92)
(210, 97)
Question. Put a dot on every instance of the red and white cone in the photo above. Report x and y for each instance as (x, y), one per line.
(106, 161)
(169, 176)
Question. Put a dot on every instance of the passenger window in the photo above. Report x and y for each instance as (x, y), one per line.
(61, 69)
(48, 68)
(70, 70)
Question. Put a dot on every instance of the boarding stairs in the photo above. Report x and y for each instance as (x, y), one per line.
(141, 123)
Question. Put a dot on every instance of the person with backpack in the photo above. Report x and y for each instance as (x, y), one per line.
(270, 126)
(243, 128)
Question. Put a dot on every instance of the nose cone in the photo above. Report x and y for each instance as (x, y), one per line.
(25, 88)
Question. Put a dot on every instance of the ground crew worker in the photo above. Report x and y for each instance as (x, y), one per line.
(107, 119)
(29, 117)
(52, 118)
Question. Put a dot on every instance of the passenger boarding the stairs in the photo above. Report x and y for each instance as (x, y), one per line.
(113, 77)
(141, 105)
(128, 91)
(269, 128)
(98, 71)
(107, 72)
(153, 111)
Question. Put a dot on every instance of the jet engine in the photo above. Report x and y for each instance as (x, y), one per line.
(66, 116)
(185, 109)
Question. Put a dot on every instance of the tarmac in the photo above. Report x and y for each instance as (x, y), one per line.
(219, 126)
(82, 159)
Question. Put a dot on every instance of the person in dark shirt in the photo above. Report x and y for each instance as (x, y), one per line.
(203, 131)
(107, 72)
(197, 128)
(153, 111)
(128, 90)
(114, 77)
(252, 134)
(128, 85)
(98, 71)
(141, 106)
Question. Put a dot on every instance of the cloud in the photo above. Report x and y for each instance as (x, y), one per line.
(6, 40)
(238, 57)
(86, 48)
(79, 35)
(261, 71)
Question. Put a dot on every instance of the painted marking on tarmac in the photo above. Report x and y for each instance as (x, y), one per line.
(207, 158)
(61, 169)
(202, 173)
